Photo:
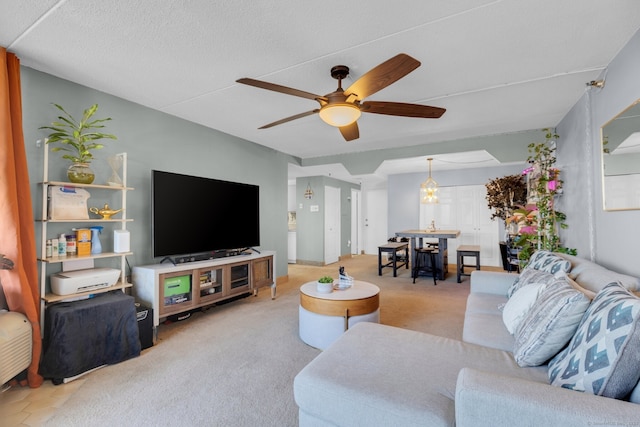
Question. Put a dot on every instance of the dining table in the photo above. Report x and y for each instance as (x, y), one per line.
(442, 257)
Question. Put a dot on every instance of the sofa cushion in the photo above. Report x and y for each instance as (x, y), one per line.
(635, 394)
(487, 329)
(382, 375)
(529, 276)
(594, 277)
(478, 302)
(550, 323)
(603, 357)
(517, 307)
(549, 262)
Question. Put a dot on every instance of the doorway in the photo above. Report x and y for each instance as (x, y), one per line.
(331, 224)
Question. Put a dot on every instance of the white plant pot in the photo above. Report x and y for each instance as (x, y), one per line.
(324, 288)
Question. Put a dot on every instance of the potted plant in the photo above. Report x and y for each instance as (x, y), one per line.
(540, 220)
(325, 284)
(78, 138)
(504, 194)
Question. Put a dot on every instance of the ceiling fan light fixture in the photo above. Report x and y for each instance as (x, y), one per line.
(340, 114)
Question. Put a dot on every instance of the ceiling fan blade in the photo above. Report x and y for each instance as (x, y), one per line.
(278, 88)
(350, 132)
(383, 75)
(288, 119)
(402, 109)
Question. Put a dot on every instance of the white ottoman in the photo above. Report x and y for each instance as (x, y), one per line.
(324, 317)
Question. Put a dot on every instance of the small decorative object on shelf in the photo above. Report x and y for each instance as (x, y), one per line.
(115, 162)
(78, 138)
(96, 246)
(105, 212)
(80, 173)
(325, 284)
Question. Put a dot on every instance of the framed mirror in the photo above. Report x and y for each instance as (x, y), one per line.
(620, 152)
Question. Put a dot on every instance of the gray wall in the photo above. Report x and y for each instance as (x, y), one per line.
(610, 238)
(310, 225)
(154, 140)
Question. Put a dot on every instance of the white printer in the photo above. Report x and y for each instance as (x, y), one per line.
(77, 281)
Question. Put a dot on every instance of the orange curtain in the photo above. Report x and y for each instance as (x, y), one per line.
(17, 235)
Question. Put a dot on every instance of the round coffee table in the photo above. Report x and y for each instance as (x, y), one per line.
(324, 317)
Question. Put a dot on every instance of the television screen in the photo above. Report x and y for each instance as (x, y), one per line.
(194, 215)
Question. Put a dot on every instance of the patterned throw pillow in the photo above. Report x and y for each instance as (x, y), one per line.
(529, 276)
(603, 357)
(549, 262)
(550, 323)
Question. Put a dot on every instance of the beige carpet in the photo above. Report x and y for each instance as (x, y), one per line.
(234, 364)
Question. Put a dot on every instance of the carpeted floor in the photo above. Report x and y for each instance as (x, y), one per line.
(234, 364)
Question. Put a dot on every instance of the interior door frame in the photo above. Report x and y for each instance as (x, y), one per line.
(331, 216)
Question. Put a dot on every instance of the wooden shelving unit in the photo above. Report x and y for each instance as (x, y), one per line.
(46, 296)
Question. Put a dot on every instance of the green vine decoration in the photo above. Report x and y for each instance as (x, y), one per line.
(542, 220)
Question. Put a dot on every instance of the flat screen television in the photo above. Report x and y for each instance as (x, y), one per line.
(197, 215)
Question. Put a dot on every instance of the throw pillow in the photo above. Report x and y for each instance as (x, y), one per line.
(550, 323)
(549, 262)
(528, 277)
(517, 307)
(603, 357)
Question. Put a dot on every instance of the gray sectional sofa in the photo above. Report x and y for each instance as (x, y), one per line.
(377, 375)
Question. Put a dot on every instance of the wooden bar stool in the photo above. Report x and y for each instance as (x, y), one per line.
(425, 263)
(469, 251)
(398, 259)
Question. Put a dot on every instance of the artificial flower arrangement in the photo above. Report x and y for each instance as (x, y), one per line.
(539, 220)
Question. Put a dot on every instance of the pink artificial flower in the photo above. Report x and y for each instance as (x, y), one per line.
(552, 185)
(529, 229)
(527, 170)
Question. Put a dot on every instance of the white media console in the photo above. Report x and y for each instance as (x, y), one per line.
(173, 289)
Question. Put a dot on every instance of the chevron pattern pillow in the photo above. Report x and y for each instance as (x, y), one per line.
(549, 262)
(603, 357)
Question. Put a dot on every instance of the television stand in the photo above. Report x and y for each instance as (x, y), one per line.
(174, 289)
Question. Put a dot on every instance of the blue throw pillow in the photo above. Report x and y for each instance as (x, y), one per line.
(549, 262)
(603, 357)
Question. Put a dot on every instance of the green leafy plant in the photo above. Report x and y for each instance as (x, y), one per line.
(326, 279)
(77, 137)
(526, 218)
(542, 223)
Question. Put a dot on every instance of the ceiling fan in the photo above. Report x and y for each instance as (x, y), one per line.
(342, 108)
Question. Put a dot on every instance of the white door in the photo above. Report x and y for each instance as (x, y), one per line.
(465, 208)
(475, 224)
(375, 219)
(331, 225)
(356, 222)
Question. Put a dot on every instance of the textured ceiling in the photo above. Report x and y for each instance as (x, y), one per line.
(496, 66)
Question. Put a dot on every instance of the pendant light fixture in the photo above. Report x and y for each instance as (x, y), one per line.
(429, 188)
